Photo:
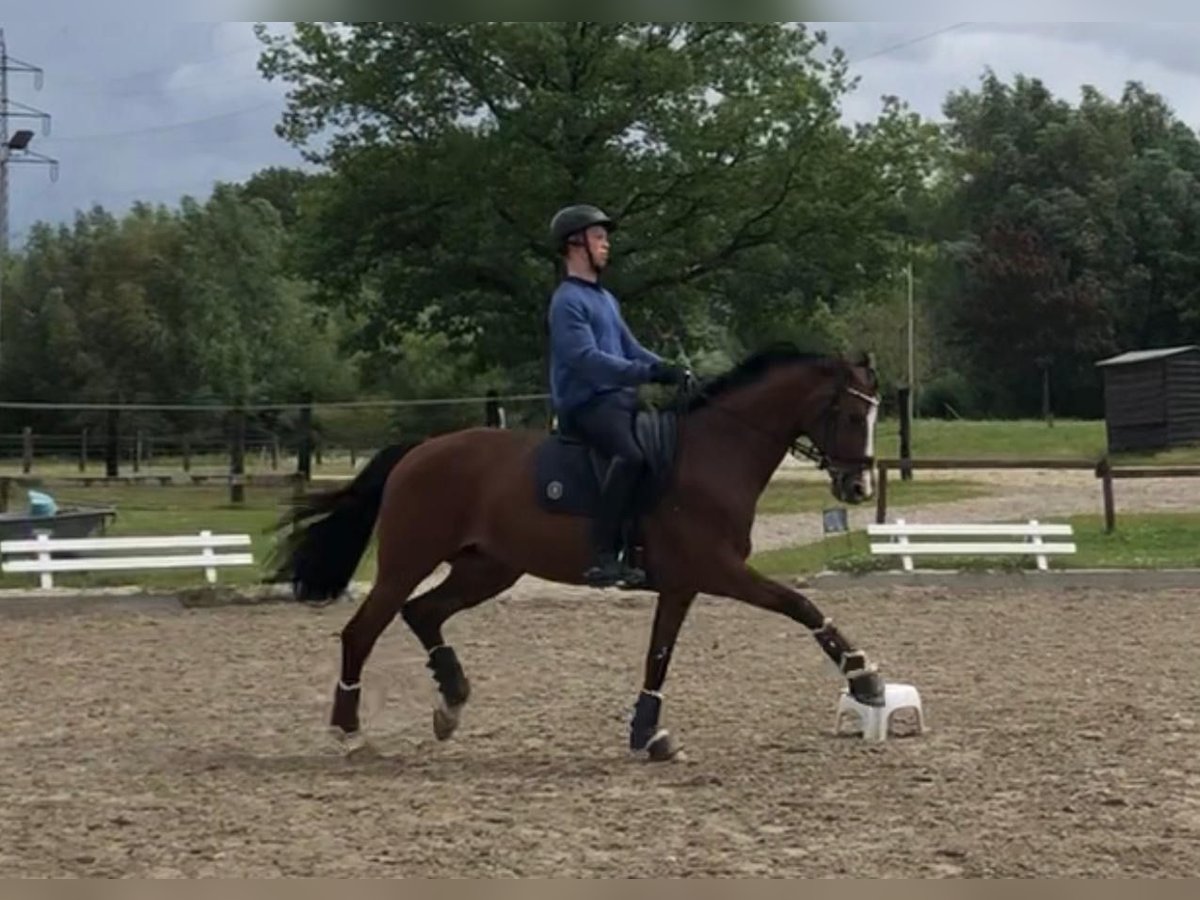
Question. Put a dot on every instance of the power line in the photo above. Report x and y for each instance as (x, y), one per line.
(900, 45)
(173, 126)
(91, 85)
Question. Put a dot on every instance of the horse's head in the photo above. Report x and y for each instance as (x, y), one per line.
(840, 425)
(782, 395)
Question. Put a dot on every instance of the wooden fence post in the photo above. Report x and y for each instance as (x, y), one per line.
(304, 451)
(112, 444)
(237, 458)
(905, 434)
(881, 495)
(1104, 471)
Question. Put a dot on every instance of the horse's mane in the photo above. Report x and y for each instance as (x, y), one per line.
(750, 370)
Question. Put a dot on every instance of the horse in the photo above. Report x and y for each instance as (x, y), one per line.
(483, 500)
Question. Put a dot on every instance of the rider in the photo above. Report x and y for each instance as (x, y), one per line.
(596, 365)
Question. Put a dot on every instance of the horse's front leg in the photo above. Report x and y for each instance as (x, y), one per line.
(735, 579)
(646, 738)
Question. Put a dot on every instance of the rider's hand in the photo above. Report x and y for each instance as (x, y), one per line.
(665, 373)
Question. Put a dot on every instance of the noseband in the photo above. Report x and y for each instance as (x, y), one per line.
(830, 416)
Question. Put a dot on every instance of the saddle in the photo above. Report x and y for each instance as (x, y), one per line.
(568, 472)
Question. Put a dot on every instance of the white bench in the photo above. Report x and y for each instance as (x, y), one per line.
(901, 541)
(96, 554)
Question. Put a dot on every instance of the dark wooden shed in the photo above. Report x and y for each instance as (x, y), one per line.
(1152, 398)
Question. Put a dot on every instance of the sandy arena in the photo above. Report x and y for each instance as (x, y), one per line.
(1062, 741)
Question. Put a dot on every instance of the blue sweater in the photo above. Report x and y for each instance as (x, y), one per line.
(592, 350)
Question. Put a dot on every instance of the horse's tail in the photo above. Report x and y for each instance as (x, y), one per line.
(320, 557)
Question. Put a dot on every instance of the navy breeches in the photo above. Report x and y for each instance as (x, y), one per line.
(607, 424)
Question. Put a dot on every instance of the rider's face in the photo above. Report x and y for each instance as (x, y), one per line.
(597, 239)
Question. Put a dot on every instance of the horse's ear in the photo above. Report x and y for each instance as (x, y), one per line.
(866, 359)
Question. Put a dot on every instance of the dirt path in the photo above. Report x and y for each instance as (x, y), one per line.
(1062, 743)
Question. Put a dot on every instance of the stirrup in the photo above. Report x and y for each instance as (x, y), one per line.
(612, 572)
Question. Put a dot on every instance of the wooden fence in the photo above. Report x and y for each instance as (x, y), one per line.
(1103, 469)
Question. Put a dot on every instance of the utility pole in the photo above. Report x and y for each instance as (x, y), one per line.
(15, 148)
(912, 357)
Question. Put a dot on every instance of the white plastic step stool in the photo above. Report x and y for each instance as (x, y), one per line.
(874, 720)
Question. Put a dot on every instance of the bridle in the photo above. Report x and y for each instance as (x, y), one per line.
(831, 415)
(803, 446)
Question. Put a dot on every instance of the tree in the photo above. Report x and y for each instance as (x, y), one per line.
(1021, 312)
(185, 306)
(1102, 200)
(717, 145)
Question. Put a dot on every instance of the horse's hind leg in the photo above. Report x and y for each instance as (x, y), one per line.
(373, 615)
(474, 578)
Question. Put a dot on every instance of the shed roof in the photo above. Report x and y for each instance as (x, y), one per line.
(1138, 356)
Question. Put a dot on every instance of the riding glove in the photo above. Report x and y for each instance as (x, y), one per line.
(665, 373)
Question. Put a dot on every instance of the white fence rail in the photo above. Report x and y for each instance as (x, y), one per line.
(96, 554)
(908, 540)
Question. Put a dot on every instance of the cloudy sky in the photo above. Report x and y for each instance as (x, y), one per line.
(153, 110)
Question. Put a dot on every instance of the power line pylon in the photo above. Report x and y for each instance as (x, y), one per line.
(14, 148)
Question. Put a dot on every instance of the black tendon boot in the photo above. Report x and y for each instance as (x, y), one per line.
(608, 569)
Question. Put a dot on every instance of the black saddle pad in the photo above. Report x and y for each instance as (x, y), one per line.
(568, 472)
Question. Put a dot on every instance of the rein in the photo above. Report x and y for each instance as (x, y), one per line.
(801, 445)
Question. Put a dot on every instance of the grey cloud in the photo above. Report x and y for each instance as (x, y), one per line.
(1170, 44)
(1065, 56)
(1014, 10)
(141, 111)
(151, 108)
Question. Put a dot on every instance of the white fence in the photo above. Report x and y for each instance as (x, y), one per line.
(909, 540)
(96, 554)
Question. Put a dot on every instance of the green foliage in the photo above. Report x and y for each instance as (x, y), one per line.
(949, 395)
(159, 306)
(1070, 232)
(718, 146)
(413, 262)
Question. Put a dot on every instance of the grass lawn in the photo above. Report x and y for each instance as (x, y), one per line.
(1140, 541)
(151, 509)
(1067, 439)
(144, 509)
(795, 496)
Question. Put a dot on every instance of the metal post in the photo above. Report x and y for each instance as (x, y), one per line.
(912, 366)
(237, 457)
(11, 109)
(3, 173)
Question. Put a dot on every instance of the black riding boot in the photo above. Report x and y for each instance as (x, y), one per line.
(607, 569)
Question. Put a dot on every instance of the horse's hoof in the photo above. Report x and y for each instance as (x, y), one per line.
(445, 720)
(868, 690)
(660, 748)
(352, 744)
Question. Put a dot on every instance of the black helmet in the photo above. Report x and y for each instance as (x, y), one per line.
(572, 219)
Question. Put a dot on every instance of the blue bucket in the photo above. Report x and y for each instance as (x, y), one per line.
(41, 504)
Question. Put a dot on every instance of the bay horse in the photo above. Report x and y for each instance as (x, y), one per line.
(477, 499)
